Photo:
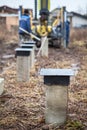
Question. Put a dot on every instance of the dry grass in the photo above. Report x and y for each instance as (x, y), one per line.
(22, 105)
(78, 34)
(7, 36)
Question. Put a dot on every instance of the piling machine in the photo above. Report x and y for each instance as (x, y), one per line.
(50, 24)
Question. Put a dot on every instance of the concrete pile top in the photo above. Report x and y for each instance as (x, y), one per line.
(23, 49)
(57, 72)
(27, 45)
(29, 42)
(1, 79)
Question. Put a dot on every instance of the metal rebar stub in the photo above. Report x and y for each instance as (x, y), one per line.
(1, 85)
(23, 63)
(56, 82)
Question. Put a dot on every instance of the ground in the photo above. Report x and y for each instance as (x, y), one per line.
(22, 105)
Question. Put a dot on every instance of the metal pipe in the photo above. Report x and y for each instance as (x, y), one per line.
(41, 46)
(29, 33)
(20, 12)
(35, 9)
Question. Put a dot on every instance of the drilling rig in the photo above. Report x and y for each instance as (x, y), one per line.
(52, 26)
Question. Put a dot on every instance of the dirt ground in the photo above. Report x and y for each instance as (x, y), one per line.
(22, 105)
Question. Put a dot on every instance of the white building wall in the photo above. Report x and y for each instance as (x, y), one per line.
(78, 21)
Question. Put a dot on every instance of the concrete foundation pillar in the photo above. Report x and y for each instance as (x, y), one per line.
(1, 85)
(56, 81)
(31, 43)
(23, 64)
(32, 56)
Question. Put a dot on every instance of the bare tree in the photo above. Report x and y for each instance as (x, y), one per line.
(85, 10)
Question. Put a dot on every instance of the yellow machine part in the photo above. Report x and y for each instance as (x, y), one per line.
(31, 18)
(43, 30)
(57, 19)
(62, 15)
(49, 28)
(55, 23)
(43, 3)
